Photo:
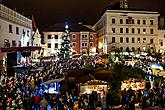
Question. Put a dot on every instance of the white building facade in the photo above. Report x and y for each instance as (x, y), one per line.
(127, 30)
(52, 42)
(15, 29)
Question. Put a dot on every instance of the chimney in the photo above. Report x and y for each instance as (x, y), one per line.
(124, 4)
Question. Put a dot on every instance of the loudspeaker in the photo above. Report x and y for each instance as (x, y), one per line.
(11, 61)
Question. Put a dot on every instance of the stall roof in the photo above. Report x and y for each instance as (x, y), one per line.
(28, 48)
(53, 81)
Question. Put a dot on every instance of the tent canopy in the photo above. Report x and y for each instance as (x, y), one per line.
(53, 81)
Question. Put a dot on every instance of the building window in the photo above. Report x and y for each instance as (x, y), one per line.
(84, 36)
(151, 41)
(56, 36)
(127, 30)
(127, 40)
(121, 39)
(138, 40)
(133, 49)
(121, 21)
(28, 33)
(91, 44)
(49, 45)
(144, 40)
(113, 20)
(73, 36)
(133, 40)
(49, 36)
(14, 43)
(121, 30)
(138, 30)
(144, 30)
(151, 31)
(151, 22)
(17, 30)
(10, 28)
(132, 21)
(133, 30)
(24, 32)
(144, 22)
(138, 21)
(91, 36)
(161, 42)
(127, 21)
(73, 44)
(56, 45)
(113, 39)
(113, 30)
(6, 43)
(84, 44)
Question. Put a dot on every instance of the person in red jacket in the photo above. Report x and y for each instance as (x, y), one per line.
(36, 102)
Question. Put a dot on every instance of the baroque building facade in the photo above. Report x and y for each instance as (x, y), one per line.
(127, 30)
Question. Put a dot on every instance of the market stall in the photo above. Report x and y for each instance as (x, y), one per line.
(93, 85)
(134, 84)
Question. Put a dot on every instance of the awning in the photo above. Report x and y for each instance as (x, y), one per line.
(53, 81)
(28, 48)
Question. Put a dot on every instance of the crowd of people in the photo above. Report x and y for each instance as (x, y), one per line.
(22, 91)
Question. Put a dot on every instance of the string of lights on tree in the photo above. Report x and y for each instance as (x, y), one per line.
(65, 49)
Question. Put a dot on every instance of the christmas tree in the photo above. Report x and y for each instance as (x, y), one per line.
(65, 45)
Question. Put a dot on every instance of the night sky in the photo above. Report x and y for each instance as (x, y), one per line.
(49, 12)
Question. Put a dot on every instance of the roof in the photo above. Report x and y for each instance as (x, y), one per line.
(72, 28)
(116, 7)
(28, 48)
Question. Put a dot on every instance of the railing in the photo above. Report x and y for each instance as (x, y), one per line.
(13, 16)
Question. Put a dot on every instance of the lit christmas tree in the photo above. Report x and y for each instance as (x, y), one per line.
(65, 45)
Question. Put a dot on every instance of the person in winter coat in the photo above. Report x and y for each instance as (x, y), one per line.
(43, 104)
